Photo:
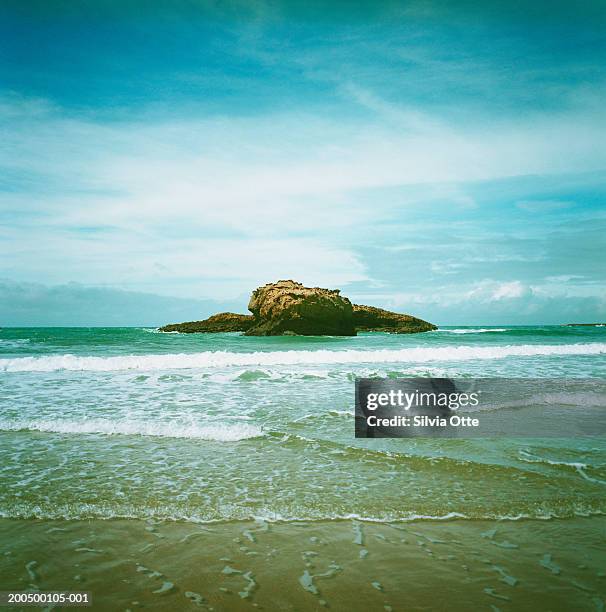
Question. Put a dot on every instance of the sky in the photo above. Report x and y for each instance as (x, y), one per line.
(160, 160)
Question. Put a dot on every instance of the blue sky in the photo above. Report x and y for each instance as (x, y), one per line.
(161, 160)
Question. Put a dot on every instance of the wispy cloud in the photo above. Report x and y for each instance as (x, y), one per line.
(542, 206)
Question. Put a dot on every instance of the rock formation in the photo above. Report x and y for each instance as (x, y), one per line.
(222, 322)
(369, 318)
(289, 308)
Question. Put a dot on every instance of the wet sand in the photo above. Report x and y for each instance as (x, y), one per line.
(346, 565)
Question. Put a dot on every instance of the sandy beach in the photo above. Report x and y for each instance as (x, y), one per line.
(342, 565)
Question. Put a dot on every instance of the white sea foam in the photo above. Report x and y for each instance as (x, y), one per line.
(579, 467)
(347, 413)
(81, 511)
(214, 359)
(219, 433)
(480, 330)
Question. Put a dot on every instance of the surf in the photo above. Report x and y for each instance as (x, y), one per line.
(161, 429)
(214, 359)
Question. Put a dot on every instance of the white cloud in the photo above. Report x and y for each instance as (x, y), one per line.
(445, 267)
(512, 290)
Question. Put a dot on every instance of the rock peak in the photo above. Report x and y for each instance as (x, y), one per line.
(288, 307)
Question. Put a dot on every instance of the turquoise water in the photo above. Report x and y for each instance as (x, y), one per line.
(128, 422)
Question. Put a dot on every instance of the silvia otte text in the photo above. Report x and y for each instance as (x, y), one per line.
(454, 420)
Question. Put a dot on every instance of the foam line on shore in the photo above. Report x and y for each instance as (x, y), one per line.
(223, 433)
(87, 511)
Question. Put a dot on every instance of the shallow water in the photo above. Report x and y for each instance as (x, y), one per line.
(132, 423)
(209, 429)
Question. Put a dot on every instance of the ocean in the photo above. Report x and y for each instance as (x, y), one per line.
(226, 467)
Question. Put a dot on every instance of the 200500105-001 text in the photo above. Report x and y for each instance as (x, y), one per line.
(43, 598)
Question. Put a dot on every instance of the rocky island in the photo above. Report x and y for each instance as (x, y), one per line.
(289, 308)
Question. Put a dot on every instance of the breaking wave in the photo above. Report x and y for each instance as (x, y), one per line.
(212, 359)
(223, 433)
(480, 330)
